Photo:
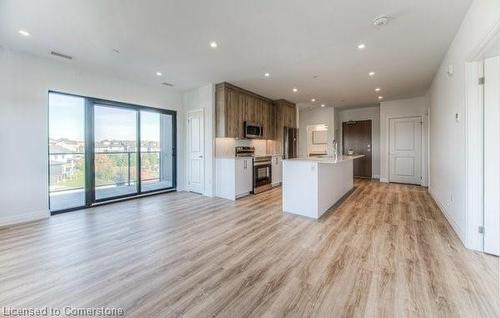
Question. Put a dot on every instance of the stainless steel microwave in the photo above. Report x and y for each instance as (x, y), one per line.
(253, 131)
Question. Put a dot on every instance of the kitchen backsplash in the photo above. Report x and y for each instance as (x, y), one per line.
(224, 147)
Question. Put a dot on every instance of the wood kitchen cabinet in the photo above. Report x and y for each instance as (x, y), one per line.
(285, 115)
(235, 106)
(228, 111)
(271, 119)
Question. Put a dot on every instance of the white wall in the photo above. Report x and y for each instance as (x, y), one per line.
(196, 99)
(396, 109)
(315, 116)
(363, 113)
(24, 84)
(447, 97)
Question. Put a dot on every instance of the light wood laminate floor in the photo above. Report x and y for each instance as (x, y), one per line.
(386, 251)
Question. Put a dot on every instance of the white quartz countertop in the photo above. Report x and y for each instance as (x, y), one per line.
(330, 160)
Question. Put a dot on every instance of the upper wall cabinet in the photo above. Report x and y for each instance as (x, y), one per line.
(228, 109)
(235, 106)
(286, 113)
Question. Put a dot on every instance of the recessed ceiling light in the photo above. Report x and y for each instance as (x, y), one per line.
(295, 90)
(377, 89)
(24, 33)
(313, 100)
(361, 46)
(267, 74)
(371, 74)
(159, 74)
(213, 45)
(322, 105)
(381, 97)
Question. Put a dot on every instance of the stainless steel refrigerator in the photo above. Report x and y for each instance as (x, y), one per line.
(290, 142)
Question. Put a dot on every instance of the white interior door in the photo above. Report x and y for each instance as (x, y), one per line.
(491, 155)
(405, 150)
(195, 148)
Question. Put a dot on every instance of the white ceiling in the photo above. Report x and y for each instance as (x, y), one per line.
(294, 40)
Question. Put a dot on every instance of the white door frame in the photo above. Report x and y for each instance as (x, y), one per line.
(474, 174)
(491, 102)
(310, 129)
(474, 145)
(188, 142)
(422, 152)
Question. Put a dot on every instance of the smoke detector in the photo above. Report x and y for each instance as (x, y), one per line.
(381, 21)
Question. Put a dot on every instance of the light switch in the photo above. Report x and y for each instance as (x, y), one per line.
(450, 70)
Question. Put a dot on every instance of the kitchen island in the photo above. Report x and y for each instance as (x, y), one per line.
(312, 185)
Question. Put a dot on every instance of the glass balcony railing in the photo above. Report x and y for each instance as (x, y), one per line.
(115, 175)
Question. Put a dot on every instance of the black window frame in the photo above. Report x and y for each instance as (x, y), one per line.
(90, 102)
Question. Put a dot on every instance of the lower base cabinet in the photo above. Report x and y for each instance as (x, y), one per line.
(234, 177)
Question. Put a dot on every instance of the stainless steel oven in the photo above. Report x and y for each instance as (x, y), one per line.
(253, 131)
(262, 174)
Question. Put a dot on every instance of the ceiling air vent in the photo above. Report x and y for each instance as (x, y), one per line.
(167, 84)
(64, 56)
(381, 21)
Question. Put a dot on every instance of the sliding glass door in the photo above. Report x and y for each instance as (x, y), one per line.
(118, 150)
(156, 151)
(115, 152)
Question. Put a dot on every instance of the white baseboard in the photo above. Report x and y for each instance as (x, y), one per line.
(384, 180)
(375, 176)
(23, 217)
(460, 233)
